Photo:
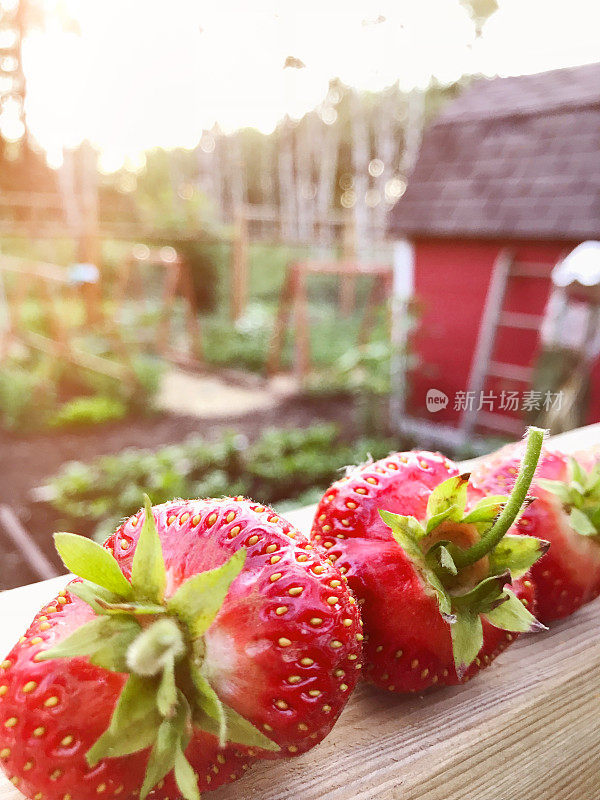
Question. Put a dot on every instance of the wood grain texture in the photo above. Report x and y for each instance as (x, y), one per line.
(526, 727)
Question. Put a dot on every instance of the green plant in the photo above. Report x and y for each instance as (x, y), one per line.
(366, 369)
(203, 268)
(363, 372)
(36, 391)
(280, 465)
(284, 463)
(148, 373)
(27, 396)
(82, 411)
(243, 344)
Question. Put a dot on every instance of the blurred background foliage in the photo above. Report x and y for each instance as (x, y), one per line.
(281, 465)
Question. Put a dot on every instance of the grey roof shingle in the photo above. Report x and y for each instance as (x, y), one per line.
(511, 158)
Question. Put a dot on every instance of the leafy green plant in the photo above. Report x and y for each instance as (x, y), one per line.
(36, 392)
(280, 465)
(244, 344)
(148, 373)
(285, 463)
(82, 411)
(27, 396)
(364, 373)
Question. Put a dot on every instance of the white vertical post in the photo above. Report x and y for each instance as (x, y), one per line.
(403, 288)
(486, 337)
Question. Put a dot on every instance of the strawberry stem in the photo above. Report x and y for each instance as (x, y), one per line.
(156, 646)
(464, 558)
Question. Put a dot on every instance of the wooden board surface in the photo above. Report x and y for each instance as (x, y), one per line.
(526, 727)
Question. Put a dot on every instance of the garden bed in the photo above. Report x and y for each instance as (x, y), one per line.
(28, 461)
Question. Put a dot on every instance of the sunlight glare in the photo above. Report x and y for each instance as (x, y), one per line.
(142, 74)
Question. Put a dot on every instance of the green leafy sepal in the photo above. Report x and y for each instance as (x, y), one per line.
(580, 496)
(491, 597)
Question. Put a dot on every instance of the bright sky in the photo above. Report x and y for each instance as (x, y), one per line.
(145, 73)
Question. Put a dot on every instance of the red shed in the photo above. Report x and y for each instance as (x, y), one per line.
(507, 181)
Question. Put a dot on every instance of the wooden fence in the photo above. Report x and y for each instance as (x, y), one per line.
(43, 216)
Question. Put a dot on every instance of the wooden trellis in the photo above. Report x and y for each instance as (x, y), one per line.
(51, 283)
(176, 279)
(294, 301)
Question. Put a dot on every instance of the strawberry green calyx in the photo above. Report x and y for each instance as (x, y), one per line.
(158, 642)
(468, 560)
(580, 496)
(513, 505)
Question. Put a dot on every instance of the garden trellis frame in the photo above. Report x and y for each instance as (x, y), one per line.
(294, 300)
(51, 283)
(177, 281)
(332, 232)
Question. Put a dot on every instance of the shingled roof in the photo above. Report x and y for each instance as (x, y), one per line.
(511, 158)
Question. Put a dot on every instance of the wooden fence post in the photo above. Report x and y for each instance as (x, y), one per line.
(302, 341)
(88, 235)
(286, 300)
(347, 295)
(239, 265)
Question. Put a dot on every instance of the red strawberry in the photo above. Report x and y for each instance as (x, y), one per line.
(432, 613)
(566, 513)
(45, 735)
(181, 656)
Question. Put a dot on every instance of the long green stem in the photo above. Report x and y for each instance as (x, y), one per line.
(535, 440)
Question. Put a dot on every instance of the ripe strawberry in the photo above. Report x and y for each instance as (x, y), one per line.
(433, 581)
(208, 630)
(566, 513)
